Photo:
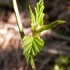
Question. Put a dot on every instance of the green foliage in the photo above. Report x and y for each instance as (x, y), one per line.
(61, 63)
(37, 19)
(32, 45)
(37, 16)
(62, 60)
(51, 25)
(57, 67)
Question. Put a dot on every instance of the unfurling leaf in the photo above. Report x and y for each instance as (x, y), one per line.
(51, 25)
(37, 16)
(32, 18)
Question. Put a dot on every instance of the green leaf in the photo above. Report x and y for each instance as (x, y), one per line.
(51, 25)
(32, 18)
(31, 46)
(37, 16)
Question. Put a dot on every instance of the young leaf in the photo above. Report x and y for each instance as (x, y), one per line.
(37, 16)
(32, 17)
(51, 25)
(31, 46)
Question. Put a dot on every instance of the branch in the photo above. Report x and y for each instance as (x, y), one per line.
(18, 18)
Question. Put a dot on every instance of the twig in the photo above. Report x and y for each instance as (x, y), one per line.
(18, 18)
(60, 36)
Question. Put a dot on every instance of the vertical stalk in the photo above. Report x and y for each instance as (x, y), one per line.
(18, 18)
(33, 64)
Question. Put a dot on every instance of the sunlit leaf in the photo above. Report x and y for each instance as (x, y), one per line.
(51, 25)
(32, 18)
(37, 16)
(31, 46)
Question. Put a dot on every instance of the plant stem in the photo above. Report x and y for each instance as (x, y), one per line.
(33, 64)
(18, 18)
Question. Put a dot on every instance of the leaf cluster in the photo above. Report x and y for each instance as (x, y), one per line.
(33, 44)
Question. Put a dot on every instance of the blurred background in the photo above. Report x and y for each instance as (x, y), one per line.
(55, 54)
